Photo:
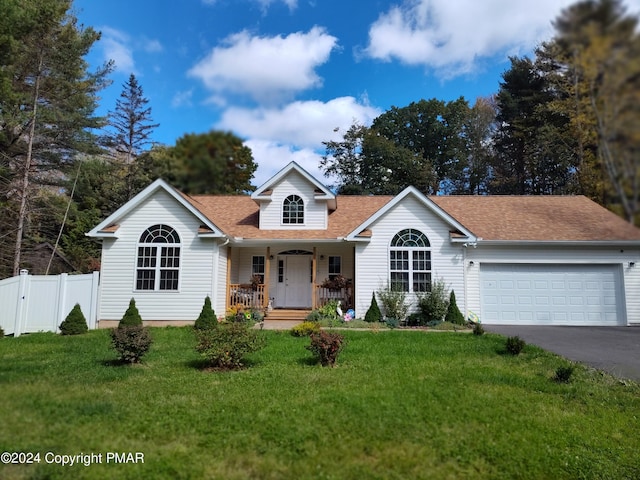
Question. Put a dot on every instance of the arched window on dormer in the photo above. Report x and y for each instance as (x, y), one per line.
(293, 210)
(158, 259)
(410, 261)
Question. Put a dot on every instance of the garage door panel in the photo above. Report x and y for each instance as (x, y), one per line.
(551, 294)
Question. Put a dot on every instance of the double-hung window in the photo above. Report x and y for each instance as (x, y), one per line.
(158, 259)
(410, 261)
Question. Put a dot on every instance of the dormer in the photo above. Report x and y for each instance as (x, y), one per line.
(294, 200)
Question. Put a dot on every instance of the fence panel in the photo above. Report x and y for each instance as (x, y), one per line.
(9, 294)
(40, 303)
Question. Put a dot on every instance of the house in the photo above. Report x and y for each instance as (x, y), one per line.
(549, 260)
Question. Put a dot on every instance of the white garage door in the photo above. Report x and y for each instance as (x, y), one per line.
(551, 295)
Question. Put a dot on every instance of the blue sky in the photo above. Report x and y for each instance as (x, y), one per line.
(285, 75)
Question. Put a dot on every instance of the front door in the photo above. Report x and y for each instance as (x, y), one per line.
(295, 289)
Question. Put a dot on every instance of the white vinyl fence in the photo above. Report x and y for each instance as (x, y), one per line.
(40, 303)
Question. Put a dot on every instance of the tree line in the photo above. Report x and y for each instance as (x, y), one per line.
(564, 122)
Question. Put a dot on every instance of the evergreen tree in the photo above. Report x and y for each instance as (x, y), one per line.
(47, 99)
(373, 314)
(75, 323)
(133, 127)
(532, 152)
(131, 317)
(454, 315)
(207, 318)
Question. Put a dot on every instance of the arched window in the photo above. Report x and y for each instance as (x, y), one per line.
(158, 262)
(293, 210)
(410, 261)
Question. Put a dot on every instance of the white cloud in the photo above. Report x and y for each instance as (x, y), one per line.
(292, 4)
(266, 68)
(151, 45)
(115, 45)
(119, 47)
(452, 36)
(271, 157)
(303, 124)
(182, 98)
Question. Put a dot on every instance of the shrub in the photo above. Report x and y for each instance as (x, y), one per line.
(131, 317)
(514, 345)
(130, 339)
(563, 374)
(478, 329)
(226, 346)
(394, 303)
(373, 314)
(391, 322)
(207, 318)
(314, 316)
(305, 329)
(330, 310)
(1, 333)
(433, 305)
(75, 323)
(454, 315)
(326, 347)
(131, 342)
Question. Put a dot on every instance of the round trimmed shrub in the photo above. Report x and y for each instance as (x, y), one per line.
(130, 339)
(305, 329)
(75, 323)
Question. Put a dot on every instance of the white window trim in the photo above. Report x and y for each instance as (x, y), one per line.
(158, 267)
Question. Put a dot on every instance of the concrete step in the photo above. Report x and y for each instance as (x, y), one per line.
(287, 315)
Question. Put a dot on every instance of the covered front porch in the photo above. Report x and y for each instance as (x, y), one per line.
(290, 276)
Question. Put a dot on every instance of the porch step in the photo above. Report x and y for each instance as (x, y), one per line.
(282, 315)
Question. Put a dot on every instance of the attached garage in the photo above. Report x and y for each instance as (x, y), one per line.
(552, 294)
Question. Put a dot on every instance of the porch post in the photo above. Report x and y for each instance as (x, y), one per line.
(313, 278)
(267, 270)
(228, 289)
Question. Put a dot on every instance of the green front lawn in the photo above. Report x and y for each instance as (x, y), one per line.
(399, 405)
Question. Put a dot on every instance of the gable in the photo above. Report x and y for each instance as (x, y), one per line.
(410, 198)
(321, 192)
(109, 227)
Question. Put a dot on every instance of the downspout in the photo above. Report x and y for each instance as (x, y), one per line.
(464, 280)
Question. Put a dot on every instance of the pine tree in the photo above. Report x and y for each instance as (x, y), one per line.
(48, 101)
(133, 127)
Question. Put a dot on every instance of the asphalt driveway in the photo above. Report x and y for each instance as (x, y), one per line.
(615, 350)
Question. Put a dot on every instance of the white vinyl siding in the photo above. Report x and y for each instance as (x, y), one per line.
(118, 273)
(315, 211)
(372, 258)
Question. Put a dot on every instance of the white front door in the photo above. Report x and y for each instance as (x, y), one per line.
(295, 290)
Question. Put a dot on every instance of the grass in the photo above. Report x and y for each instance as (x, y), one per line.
(399, 404)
